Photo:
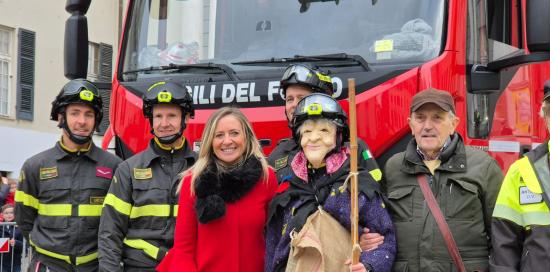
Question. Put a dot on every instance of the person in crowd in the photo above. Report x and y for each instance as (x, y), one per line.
(464, 182)
(4, 189)
(138, 219)
(223, 201)
(61, 190)
(11, 260)
(520, 229)
(318, 181)
(10, 198)
(297, 82)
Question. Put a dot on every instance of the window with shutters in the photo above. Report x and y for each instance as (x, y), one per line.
(26, 71)
(5, 64)
(104, 82)
(93, 61)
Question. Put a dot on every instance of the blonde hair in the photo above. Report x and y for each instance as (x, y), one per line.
(206, 153)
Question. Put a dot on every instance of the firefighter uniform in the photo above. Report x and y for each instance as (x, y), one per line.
(521, 219)
(281, 157)
(58, 204)
(138, 219)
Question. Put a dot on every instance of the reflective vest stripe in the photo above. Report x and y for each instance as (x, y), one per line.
(141, 244)
(54, 209)
(89, 210)
(26, 199)
(376, 174)
(79, 260)
(150, 210)
(118, 204)
(86, 259)
(521, 177)
(521, 218)
(160, 210)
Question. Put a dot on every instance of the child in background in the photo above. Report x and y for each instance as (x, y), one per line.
(16, 241)
(11, 195)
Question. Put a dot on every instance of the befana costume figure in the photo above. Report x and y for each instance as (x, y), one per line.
(317, 188)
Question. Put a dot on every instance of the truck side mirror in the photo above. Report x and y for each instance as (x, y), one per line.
(538, 25)
(76, 39)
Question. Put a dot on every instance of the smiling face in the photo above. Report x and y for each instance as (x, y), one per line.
(431, 126)
(229, 140)
(317, 139)
(80, 120)
(167, 121)
(8, 214)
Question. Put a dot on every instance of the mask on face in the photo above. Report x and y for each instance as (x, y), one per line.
(318, 139)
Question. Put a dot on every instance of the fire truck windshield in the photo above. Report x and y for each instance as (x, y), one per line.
(244, 33)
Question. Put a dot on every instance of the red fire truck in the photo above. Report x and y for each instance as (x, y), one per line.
(491, 55)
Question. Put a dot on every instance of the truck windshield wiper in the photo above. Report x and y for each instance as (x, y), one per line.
(209, 67)
(330, 58)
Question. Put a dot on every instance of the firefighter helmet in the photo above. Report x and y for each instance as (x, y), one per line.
(77, 91)
(164, 92)
(306, 76)
(168, 93)
(320, 106)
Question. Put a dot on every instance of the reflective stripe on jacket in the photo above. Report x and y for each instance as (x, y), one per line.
(138, 218)
(59, 201)
(521, 219)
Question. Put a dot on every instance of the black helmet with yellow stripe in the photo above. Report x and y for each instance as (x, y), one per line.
(320, 106)
(77, 91)
(166, 92)
(298, 74)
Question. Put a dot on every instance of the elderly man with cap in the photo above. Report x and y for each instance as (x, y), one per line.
(438, 175)
(521, 219)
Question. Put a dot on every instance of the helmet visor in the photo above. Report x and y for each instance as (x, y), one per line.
(305, 75)
(73, 88)
(317, 105)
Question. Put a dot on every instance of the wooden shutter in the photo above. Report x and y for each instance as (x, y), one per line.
(105, 62)
(25, 82)
(104, 84)
(105, 93)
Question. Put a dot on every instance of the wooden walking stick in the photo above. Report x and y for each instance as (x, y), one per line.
(356, 249)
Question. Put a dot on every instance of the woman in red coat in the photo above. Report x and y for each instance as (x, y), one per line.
(223, 201)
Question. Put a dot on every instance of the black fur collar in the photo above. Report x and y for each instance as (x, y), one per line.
(214, 188)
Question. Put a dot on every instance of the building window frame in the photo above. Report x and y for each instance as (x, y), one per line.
(93, 61)
(6, 62)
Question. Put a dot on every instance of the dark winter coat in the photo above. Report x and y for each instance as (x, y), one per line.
(465, 185)
(299, 196)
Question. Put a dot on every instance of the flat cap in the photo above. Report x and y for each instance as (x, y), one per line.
(442, 99)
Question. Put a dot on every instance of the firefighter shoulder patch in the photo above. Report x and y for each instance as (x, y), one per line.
(97, 200)
(48, 173)
(280, 163)
(143, 173)
(366, 154)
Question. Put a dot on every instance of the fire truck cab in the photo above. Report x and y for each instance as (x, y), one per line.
(492, 56)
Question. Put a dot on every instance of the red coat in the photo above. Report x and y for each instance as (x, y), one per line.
(233, 243)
